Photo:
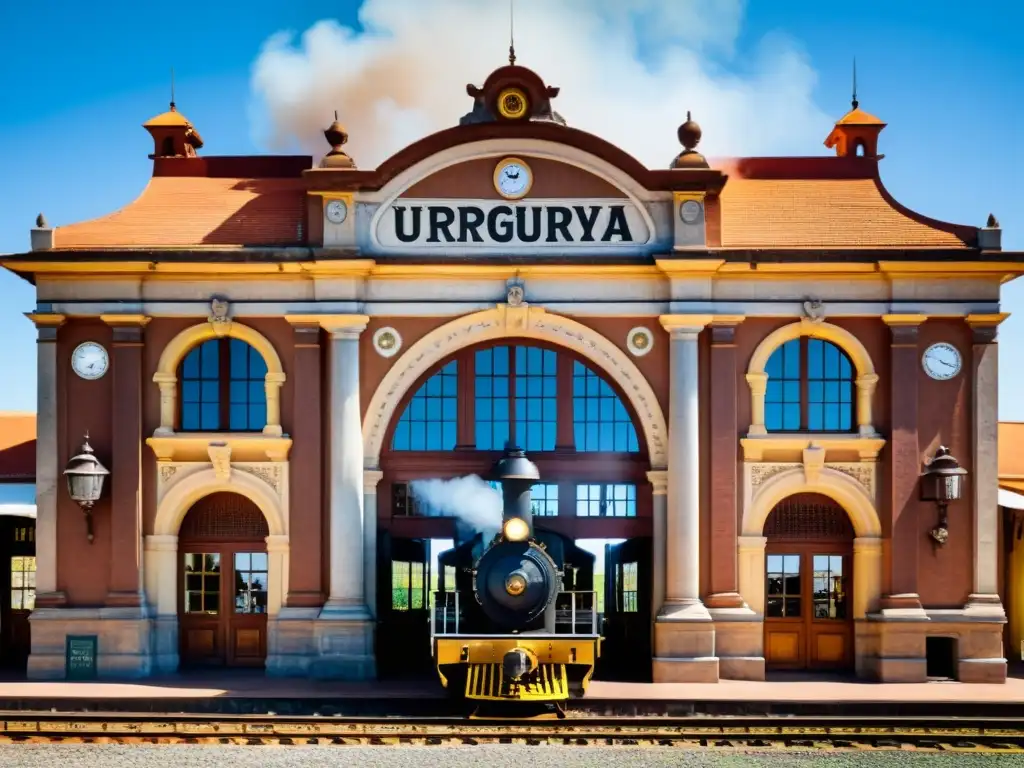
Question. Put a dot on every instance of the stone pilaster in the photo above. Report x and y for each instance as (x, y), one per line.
(684, 636)
(659, 485)
(371, 478)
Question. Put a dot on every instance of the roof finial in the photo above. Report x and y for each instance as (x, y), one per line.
(855, 102)
(511, 32)
(172, 88)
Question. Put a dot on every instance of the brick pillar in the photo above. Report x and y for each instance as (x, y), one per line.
(724, 465)
(305, 513)
(126, 578)
(905, 468)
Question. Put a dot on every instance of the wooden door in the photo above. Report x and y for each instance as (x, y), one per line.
(224, 575)
(808, 586)
(403, 608)
(626, 653)
(17, 589)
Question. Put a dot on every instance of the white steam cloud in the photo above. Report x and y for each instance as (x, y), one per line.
(629, 70)
(472, 501)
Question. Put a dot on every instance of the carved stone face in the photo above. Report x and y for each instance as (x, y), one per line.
(219, 308)
(515, 295)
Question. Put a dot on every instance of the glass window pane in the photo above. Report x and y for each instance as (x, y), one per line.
(430, 418)
(792, 607)
(599, 415)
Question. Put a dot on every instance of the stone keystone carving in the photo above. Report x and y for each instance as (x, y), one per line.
(220, 458)
(219, 318)
(516, 295)
(814, 311)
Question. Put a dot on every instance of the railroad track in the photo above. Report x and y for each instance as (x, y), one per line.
(805, 733)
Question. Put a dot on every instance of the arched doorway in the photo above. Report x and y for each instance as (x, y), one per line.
(223, 583)
(808, 613)
(17, 588)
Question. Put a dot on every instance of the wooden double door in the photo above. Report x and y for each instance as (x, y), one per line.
(17, 589)
(403, 608)
(224, 576)
(808, 611)
(626, 648)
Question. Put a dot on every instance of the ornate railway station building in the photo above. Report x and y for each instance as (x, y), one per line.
(766, 386)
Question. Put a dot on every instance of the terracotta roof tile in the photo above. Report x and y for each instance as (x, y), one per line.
(182, 211)
(820, 213)
(17, 445)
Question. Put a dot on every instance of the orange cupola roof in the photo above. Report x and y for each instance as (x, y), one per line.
(173, 134)
(856, 132)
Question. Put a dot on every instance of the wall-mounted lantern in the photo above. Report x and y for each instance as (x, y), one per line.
(86, 476)
(942, 482)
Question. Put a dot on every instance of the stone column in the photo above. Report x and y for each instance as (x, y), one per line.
(48, 470)
(903, 600)
(751, 552)
(161, 577)
(983, 486)
(659, 483)
(371, 477)
(344, 634)
(126, 577)
(723, 469)
(305, 497)
(684, 637)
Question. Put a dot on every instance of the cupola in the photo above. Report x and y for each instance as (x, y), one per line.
(512, 94)
(173, 135)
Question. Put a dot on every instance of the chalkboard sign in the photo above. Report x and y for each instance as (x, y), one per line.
(80, 657)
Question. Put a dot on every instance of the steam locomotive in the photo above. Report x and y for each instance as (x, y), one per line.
(519, 623)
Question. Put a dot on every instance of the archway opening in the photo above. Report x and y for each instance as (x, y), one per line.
(582, 433)
(808, 607)
(223, 583)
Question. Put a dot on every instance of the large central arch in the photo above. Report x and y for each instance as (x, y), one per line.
(506, 321)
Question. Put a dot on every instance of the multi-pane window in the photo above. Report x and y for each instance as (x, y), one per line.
(202, 583)
(223, 388)
(810, 388)
(600, 420)
(783, 586)
(23, 583)
(536, 398)
(829, 587)
(407, 585)
(251, 575)
(606, 500)
(544, 499)
(626, 586)
(492, 398)
(430, 420)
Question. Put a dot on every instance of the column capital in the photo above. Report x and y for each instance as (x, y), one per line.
(903, 320)
(371, 477)
(684, 326)
(723, 330)
(659, 479)
(127, 329)
(751, 543)
(985, 328)
(343, 326)
(46, 324)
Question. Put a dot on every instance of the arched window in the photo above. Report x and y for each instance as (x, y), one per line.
(223, 388)
(810, 388)
(430, 420)
(531, 374)
(600, 420)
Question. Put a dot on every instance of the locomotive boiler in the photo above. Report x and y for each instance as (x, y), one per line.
(515, 617)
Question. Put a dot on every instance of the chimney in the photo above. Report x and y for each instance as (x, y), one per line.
(517, 475)
(990, 237)
(41, 235)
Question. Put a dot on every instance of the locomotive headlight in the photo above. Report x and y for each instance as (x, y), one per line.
(516, 529)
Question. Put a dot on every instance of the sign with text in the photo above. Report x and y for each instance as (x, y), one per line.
(534, 224)
(80, 657)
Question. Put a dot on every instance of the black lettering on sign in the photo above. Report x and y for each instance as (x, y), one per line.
(500, 231)
(441, 219)
(521, 233)
(617, 225)
(470, 219)
(559, 218)
(400, 232)
(587, 222)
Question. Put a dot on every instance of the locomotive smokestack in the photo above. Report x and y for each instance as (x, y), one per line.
(517, 475)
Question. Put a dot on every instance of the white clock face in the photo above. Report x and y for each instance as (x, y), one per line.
(337, 211)
(513, 179)
(90, 360)
(941, 361)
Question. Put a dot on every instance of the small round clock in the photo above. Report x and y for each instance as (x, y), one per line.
(689, 211)
(90, 360)
(337, 211)
(513, 178)
(941, 361)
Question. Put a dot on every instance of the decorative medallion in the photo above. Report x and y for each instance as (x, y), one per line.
(941, 361)
(336, 211)
(513, 178)
(639, 341)
(689, 212)
(512, 104)
(387, 342)
(90, 360)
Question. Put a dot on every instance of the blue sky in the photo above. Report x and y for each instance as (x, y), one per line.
(78, 79)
